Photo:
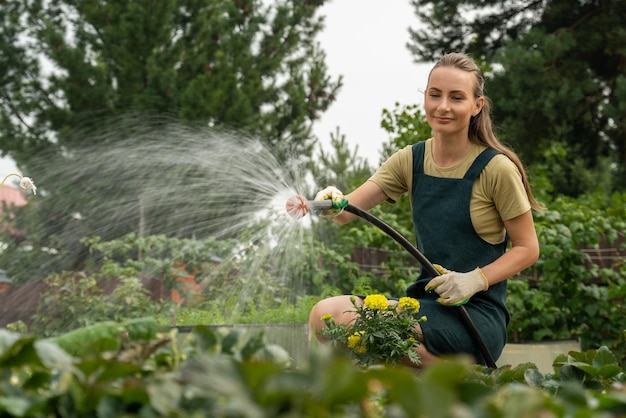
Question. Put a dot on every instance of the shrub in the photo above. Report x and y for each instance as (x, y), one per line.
(130, 368)
(566, 295)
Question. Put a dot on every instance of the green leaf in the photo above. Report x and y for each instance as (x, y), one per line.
(91, 340)
(165, 396)
(534, 377)
(13, 346)
(53, 356)
(610, 371)
(113, 370)
(141, 329)
(575, 394)
(342, 383)
(571, 372)
(587, 368)
(38, 381)
(604, 357)
(273, 353)
(401, 385)
(8, 340)
(15, 406)
(206, 338)
(231, 340)
(255, 342)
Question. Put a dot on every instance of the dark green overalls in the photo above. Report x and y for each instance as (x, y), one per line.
(445, 235)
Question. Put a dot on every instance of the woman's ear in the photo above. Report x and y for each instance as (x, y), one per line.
(480, 102)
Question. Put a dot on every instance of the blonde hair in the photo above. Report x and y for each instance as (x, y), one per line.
(481, 127)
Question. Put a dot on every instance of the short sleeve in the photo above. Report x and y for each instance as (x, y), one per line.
(507, 188)
(395, 175)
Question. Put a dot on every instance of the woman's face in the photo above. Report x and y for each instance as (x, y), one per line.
(449, 100)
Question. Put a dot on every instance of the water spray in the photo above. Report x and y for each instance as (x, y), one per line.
(298, 206)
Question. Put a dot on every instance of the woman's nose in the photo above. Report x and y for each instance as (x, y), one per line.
(443, 105)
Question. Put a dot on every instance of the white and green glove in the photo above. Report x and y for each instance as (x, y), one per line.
(339, 202)
(457, 288)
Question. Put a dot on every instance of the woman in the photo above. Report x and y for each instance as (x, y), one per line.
(470, 197)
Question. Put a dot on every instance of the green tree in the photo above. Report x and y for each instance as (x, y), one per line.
(130, 115)
(243, 64)
(341, 167)
(557, 76)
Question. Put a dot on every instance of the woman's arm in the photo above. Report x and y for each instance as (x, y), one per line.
(523, 253)
(366, 196)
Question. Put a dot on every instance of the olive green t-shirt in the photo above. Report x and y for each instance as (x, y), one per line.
(497, 195)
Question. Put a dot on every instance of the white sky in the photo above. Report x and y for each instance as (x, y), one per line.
(365, 42)
(7, 166)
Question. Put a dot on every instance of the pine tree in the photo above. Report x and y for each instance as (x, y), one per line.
(241, 64)
(557, 77)
(80, 78)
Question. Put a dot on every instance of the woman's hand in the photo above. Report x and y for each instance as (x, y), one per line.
(334, 194)
(457, 288)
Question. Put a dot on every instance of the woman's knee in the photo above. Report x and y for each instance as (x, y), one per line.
(339, 307)
(426, 357)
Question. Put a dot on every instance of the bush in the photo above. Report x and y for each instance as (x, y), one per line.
(131, 369)
(566, 295)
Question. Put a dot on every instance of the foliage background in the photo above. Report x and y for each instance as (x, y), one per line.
(556, 79)
(131, 368)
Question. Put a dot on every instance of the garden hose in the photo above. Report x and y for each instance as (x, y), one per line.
(297, 206)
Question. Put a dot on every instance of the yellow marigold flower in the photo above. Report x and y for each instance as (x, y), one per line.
(355, 339)
(376, 302)
(360, 349)
(326, 317)
(409, 304)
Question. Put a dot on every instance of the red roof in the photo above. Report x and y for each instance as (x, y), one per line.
(10, 196)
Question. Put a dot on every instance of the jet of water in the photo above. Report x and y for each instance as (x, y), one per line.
(148, 174)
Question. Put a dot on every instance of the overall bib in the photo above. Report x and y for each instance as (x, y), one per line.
(445, 235)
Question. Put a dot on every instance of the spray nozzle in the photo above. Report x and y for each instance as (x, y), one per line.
(298, 206)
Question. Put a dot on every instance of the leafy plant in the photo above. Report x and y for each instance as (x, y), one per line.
(74, 300)
(534, 316)
(133, 368)
(565, 294)
(381, 333)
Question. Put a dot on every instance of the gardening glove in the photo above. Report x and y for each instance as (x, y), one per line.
(457, 288)
(339, 202)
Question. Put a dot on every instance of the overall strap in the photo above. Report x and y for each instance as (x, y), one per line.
(479, 163)
(418, 157)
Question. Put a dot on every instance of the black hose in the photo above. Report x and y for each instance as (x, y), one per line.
(430, 268)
